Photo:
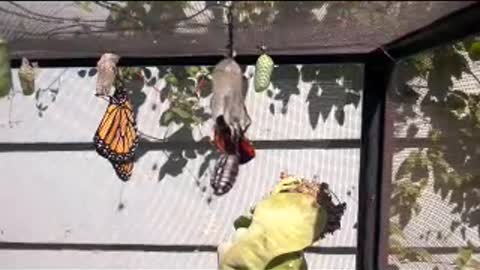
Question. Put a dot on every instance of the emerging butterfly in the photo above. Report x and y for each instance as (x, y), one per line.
(116, 138)
(231, 121)
(234, 150)
(225, 142)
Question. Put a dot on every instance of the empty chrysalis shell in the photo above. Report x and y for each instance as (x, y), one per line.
(5, 71)
(26, 75)
(263, 72)
(107, 70)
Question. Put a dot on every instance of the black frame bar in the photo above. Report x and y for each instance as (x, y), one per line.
(378, 70)
(374, 196)
(376, 199)
(209, 60)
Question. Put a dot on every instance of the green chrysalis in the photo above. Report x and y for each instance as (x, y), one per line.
(5, 71)
(263, 72)
(474, 51)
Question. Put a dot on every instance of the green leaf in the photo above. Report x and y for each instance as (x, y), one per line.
(242, 222)
(192, 71)
(181, 112)
(463, 257)
(456, 101)
(474, 264)
(171, 79)
(477, 113)
(474, 51)
(166, 118)
(283, 223)
(289, 261)
(423, 63)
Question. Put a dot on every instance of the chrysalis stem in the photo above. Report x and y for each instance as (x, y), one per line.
(230, 30)
(262, 48)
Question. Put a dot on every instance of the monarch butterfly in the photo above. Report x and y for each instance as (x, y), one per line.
(116, 137)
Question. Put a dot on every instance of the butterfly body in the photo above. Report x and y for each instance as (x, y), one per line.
(225, 143)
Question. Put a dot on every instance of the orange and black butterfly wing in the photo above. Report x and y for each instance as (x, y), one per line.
(123, 170)
(247, 151)
(116, 137)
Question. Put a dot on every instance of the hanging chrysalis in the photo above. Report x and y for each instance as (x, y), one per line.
(5, 71)
(107, 70)
(263, 72)
(26, 75)
(228, 100)
(231, 121)
(225, 173)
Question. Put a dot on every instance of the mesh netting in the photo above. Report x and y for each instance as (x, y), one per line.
(47, 30)
(307, 123)
(434, 110)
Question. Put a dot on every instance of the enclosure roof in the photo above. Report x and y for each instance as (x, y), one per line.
(68, 30)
